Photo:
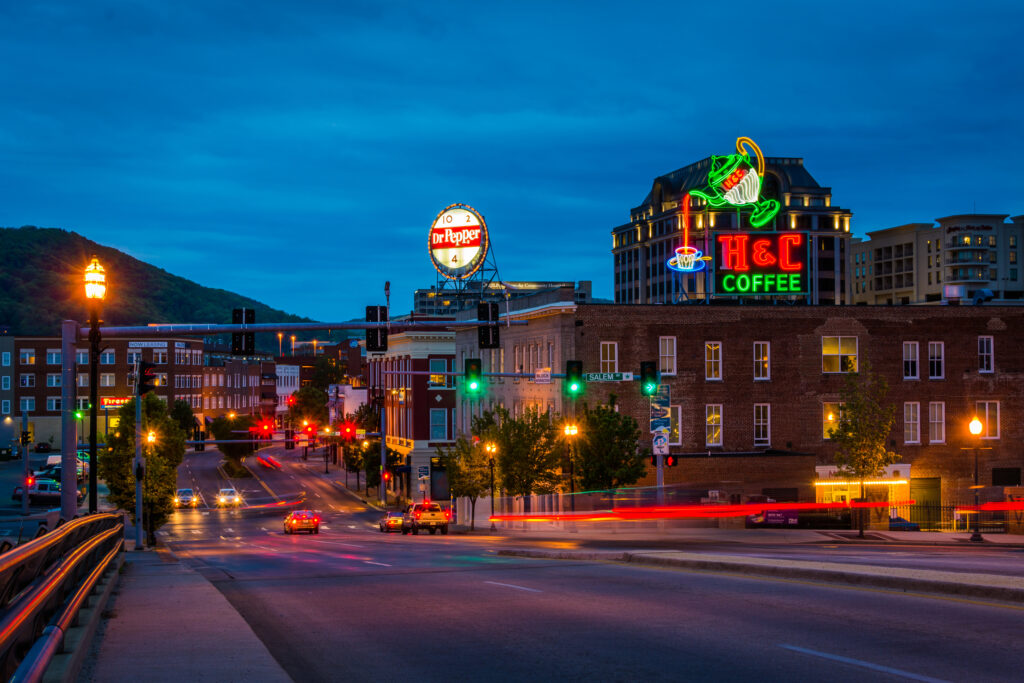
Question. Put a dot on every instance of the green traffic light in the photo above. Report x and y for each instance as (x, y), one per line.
(473, 386)
(649, 388)
(78, 415)
(574, 387)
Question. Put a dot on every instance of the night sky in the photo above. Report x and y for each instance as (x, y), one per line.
(297, 152)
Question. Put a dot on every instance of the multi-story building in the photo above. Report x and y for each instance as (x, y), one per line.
(235, 386)
(419, 408)
(287, 384)
(642, 247)
(10, 422)
(962, 257)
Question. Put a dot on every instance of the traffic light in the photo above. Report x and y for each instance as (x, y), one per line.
(147, 379)
(376, 337)
(670, 460)
(649, 378)
(348, 431)
(243, 343)
(473, 371)
(573, 377)
(487, 335)
(289, 440)
(387, 476)
(29, 481)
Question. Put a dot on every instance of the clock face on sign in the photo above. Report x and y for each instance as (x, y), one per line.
(458, 241)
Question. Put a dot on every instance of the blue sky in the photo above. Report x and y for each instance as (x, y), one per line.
(298, 152)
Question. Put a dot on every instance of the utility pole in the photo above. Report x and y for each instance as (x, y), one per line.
(139, 464)
(25, 448)
(68, 436)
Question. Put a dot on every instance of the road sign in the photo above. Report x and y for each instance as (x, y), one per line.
(360, 433)
(608, 376)
(424, 471)
(542, 376)
(661, 443)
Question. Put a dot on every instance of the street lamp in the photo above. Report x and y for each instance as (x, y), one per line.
(95, 292)
(570, 431)
(280, 336)
(293, 344)
(975, 428)
(491, 449)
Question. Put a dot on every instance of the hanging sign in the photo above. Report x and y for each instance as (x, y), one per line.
(661, 406)
(761, 263)
(458, 242)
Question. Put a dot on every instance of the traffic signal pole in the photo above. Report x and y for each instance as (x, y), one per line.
(25, 448)
(137, 465)
(68, 435)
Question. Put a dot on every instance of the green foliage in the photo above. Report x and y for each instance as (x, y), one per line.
(326, 371)
(310, 404)
(44, 267)
(865, 422)
(366, 417)
(469, 472)
(162, 460)
(527, 458)
(181, 412)
(226, 428)
(607, 450)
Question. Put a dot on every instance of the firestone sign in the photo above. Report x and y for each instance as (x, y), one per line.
(458, 242)
(761, 263)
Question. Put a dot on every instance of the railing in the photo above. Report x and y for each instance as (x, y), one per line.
(43, 584)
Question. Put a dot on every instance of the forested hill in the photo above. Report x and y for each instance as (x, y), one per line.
(41, 284)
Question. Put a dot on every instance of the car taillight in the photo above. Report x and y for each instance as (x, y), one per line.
(417, 514)
(447, 514)
(316, 519)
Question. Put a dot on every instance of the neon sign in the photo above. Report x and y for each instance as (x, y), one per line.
(733, 181)
(458, 241)
(687, 259)
(757, 264)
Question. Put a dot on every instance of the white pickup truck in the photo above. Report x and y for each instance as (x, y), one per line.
(427, 516)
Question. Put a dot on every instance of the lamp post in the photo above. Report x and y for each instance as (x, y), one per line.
(975, 428)
(570, 431)
(327, 430)
(95, 292)
(491, 449)
(293, 344)
(280, 336)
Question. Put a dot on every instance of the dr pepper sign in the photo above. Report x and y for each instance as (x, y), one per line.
(458, 242)
(761, 264)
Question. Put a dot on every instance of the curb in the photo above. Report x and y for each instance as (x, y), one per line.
(912, 582)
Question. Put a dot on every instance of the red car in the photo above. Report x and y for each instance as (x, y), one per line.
(302, 520)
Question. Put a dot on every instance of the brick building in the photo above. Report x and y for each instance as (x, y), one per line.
(238, 386)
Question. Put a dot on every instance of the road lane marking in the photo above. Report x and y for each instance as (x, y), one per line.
(863, 664)
(379, 564)
(510, 585)
(347, 545)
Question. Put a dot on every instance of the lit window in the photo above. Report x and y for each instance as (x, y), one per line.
(712, 361)
(106, 379)
(910, 360)
(838, 354)
(936, 364)
(27, 357)
(762, 424)
(985, 363)
(713, 425)
(675, 416)
(830, 415)
(988, 413)
(937, 422)
(439, 366)
(609, 356)
(667, 355)
(911, 422)
(762, 361)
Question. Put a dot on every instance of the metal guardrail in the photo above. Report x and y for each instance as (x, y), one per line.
(36, 580)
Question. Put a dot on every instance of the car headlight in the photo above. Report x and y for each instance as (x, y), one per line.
(176, 501)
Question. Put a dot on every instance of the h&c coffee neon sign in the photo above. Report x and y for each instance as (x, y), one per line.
(753, 264)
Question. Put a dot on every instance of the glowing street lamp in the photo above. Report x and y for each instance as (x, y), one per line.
(95, 292)
(280, 336)
(570, 431)
(975, 427)
(491, 448)
(293, 344)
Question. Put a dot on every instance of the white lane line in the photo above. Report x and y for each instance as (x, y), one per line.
(510, 585)
(263, 547)
(379, 564)
(863, 664)
(347, 545)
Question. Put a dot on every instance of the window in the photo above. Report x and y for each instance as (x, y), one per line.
(713, 361)
(160, 357)
(5, 382)
(5, 408)
(82, 403)
(82, 357)
(53, 357)
(838, 354)
(988, 413)
(936, 352)
(674, 435)
(762, 361)
(106, 379)
(53, 403)
(762, 424)
(107, 358)
(440, 366)
(1006, 476)
(910, 360)
(27, 404)
(27, 380)
(985, 363)
(27, 357)
(438, 424)
(667, 355)
(6, 358)
(911, 422)
(937, 422)
(713, 425)
(53, 379)
(133, 357)
(830, 415)
(609, 356)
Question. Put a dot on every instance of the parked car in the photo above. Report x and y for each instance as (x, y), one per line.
(42, 492)
(43, 447)
(427, 516)
(185, 498)
(392, 522)
(228, 498)
(302, 520)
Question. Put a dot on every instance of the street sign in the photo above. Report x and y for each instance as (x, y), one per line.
(360, 433)
(424, 471)
(661, 443)
(542, 376)
(608, 376)
(661, 417)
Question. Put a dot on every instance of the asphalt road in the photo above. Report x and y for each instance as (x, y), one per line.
(354, 604)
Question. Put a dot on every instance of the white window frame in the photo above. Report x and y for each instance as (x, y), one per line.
(940, 359)
(937, 422)
(983, 409)
(53, 357)
(133, 356)
(53, 404)
(762, 361)
(911, 422)
(82, 357)
(27, 404)
(667, 355)
(986, 355)
(911, 355)
(159, 357)
(107, 379)
(713, 361)
(713, 419)
(5, 407)
(108, 357)
(609, 356)
(27, 357)
(763, 421)
(444, 414)
(5, 383)
(26, 380)
(840, 355)
(82, 379)
(53, 379)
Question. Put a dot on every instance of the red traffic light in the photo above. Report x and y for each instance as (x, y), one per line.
(29, 481)
(387, 476)
(291, 400)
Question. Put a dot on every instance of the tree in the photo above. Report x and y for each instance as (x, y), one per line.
(326, 372)
(527, 458)
(231, 429)
(310, 404)
(162, 459)
(366, 417)
(608, 449)
(468, 472)
(860, 435)
(353, 457)
(181, 412)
